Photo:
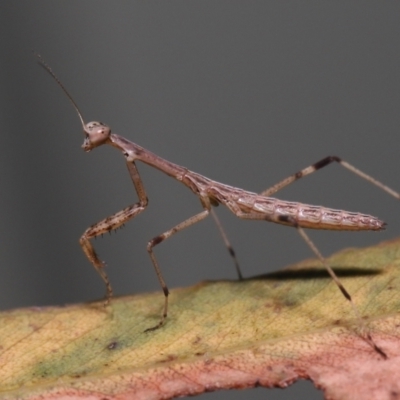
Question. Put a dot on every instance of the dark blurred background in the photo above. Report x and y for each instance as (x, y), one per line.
(245, 93)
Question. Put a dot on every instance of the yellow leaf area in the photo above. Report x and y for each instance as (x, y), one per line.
(269, 330)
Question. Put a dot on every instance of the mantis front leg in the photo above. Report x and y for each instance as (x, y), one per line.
(111, 223)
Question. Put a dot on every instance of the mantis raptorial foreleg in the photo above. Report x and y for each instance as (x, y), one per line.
(111, 223)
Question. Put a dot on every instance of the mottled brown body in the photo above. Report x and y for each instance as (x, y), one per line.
(249, 205)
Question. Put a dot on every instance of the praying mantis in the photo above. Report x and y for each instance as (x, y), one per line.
(242, 203)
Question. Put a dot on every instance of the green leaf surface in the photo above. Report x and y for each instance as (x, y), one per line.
(269, 330)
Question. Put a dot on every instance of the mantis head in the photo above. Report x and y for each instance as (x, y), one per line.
(96, 134)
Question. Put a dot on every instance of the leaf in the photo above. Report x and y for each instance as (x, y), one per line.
(268, 331)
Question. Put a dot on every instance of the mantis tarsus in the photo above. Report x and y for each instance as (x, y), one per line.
(243, 204)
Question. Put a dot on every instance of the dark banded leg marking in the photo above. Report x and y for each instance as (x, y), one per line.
(364, 334)
(321, 164)
(159, 239)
